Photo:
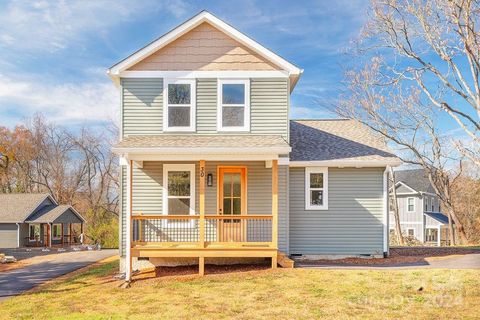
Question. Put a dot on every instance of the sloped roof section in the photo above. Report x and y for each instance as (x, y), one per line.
(202, 143)
(16, 207)
(49, 214)
(440, 217)
(415, 179)
(336, 140)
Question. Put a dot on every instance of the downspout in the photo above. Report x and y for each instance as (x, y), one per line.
(385, 213)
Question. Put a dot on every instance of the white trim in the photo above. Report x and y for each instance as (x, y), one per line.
(386, 215)
(189, 25)
(245, 105)
(308, 171)
(205, 150)
(18, 234)
(408, 205)
(178, 167)
(411, 222)
(128, 238)
(346, 163)
(189, 74)
(192, 105)
(197, 157)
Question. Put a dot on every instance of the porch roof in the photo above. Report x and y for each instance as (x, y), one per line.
(203, 144)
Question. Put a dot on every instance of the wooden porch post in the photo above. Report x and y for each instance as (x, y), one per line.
(201, 236)
(128, 240)
(274, 210)
(49, 235)
(70, 232)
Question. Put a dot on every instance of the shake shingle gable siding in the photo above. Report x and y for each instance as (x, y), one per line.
(320, 140)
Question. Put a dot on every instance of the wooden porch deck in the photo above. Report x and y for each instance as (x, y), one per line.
(202, 236)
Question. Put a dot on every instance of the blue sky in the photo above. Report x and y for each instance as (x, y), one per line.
(54, 54)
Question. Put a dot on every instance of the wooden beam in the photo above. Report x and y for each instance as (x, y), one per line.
(62, 232)
(70, 226)
(201, 266)
(275, 204)
(201, 238)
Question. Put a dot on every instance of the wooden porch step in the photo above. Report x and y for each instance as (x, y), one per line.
(284, 261)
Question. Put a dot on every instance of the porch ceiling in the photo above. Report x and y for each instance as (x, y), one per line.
(203, 144)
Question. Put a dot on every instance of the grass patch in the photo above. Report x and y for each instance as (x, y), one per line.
(261, 294)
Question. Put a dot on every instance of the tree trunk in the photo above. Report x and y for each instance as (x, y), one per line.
(398, 229)
(452, 216)
(450, 230)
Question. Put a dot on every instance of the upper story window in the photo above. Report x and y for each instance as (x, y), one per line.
(410, 204)
(233, 112)
(433, 204)
(425, 199)
(179, 105)
(316, 188)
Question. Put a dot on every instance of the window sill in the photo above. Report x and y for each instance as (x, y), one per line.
(322, 208)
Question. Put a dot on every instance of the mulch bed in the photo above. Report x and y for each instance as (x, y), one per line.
(398, 256)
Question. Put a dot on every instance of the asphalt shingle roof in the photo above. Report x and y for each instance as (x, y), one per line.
(416, 179)
(202, 141)
(335, 139)
(16, 207)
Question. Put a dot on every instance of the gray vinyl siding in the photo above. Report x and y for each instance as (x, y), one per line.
(8, 235)
(24, 233)
(410, 220)
(142, 111)
(68, 217)
(353, 223)
(147, 192)
(142, 106)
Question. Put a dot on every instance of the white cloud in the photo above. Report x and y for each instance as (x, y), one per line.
(53, 25)
(68, 103)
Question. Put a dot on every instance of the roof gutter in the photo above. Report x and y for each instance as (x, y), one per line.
(206, 150)
(347, 163)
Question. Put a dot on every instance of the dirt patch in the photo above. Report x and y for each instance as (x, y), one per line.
(400, 256)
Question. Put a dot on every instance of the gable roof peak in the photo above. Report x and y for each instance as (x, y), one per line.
(201, 17)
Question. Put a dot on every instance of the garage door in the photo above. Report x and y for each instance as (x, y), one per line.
(8, 235)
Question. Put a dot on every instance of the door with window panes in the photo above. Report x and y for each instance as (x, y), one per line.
(232, 195)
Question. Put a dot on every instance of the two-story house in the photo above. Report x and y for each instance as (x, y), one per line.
(419, 209)
(213, 168)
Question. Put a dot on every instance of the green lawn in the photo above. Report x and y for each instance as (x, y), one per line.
(262, 294)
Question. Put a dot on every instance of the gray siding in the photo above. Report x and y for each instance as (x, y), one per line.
(142, 106)
(402, 189)
(147, 192)
(142, 101)
(68, 217)
(24, 233)
(8, 235)
(353, 222)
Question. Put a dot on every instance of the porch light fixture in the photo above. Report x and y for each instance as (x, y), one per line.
(209, 180)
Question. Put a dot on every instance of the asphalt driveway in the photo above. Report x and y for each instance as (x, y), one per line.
(16, 281)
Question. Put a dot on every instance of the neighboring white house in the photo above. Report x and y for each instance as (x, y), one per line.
(419, 209)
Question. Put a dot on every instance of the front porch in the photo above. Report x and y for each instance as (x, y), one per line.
(53, 235)
(218, 222)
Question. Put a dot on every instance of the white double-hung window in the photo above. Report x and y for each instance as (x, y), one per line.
(233, 112)
(179, 190)
(179, 105)
(316, 188)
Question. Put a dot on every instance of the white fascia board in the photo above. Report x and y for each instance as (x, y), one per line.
(189, 74)
(346, 163)
(197, 157)
(189, 25)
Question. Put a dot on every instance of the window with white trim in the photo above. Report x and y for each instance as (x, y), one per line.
(233, 112)
(433, 204)
(57, 231)
(179, 105)
(316, 188)
(410, 204)
(34, 232)
(411, 232)
(179, 189)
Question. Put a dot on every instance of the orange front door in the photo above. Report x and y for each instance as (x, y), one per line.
(232, 202)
